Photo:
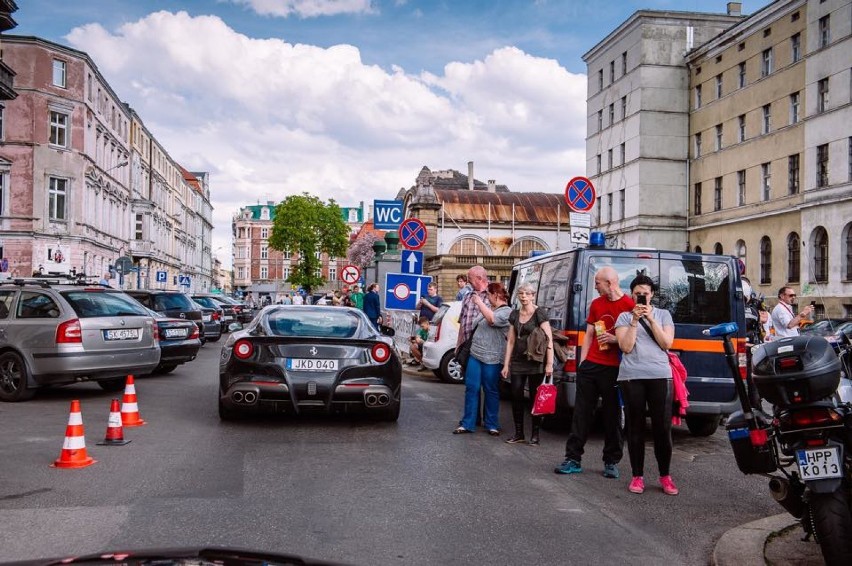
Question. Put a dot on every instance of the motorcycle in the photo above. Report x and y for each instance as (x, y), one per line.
(804, 446)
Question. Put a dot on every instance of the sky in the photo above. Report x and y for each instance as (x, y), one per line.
(349, 99)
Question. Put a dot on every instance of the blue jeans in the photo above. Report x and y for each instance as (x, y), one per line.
(486, 376)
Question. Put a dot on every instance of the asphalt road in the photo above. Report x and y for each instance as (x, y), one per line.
(346, 489)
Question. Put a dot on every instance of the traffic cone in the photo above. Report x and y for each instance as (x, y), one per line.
(129, 408)
(73, 453)
(114, 432)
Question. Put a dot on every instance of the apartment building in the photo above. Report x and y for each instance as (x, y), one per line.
(638, 123)
(84, 183)
(771, 159)
(259, 269)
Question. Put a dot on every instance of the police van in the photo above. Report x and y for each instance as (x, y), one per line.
(699, 290)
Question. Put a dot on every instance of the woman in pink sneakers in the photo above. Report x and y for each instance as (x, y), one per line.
(644, 335)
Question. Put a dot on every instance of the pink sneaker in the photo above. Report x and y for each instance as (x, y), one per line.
(669, 488)
(637, 485)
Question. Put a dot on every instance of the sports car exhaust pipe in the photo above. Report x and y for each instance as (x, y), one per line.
(383, 399)
(250, 397)
(237, 396)
(371, 400)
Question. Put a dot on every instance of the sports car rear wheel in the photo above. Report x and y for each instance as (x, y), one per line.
(226, 413)
(391, 412)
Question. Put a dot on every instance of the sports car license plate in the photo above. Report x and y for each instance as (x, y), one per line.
(175, 332)
(819, 463)
(308, 364)
(121, 334)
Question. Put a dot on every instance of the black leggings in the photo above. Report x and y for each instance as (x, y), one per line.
(519, 381)
(656, 394)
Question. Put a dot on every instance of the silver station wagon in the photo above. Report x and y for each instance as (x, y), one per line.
(59, 333)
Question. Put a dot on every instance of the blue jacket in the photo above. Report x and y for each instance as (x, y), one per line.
(372, 306)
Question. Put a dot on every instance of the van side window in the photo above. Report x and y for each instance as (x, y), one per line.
(529, 274)
(554, 288)
(695, 291)
(626, 267)
(36, 305)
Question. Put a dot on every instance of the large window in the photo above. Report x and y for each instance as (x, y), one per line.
(59, 74)
(2, 122)
(698, 96)
(824, 31)
(612, 114)
(765, 260)
(794, 108)
(766, 63)
(264, 252)
(741, 76)
(718, 86)
(793, 258)
(847, 252)
(741, 123)
(57, 193)
(820, 247)
(793, 174)
(822, 165)
(696, 200)
(698, 144)
(623, 107)
(523, 246)
(58, 129)
(767, 118)
(138, 234)
(796, 47)
(741, 187)
(717, 248)
(469, 246)
(717, 194)
(822, 95)
(600, 120)
(766, 181)
(264, 272)
(718, 137)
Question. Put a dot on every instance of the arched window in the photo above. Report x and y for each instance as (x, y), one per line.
(469, 245)
(765, 260)
(740, 251)
(523, 246)
(820, 247)
(717, 249)
(794, 265)
(698, 249)
(846, 269)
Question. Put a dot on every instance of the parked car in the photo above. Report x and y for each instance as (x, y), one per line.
(242, 312)
(174, 304)
(310, 359)
(831, 329)
(212, 315)
(54, 333)
(229, 312)
(179, 341)
(439, 349)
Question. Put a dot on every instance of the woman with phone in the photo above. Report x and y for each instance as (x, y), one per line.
(644, 335)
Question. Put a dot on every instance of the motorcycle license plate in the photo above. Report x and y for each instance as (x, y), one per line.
(819, 463)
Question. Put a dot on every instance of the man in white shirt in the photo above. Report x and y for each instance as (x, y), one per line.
(785, 322)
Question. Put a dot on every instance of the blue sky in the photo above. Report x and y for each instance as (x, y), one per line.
(349, 98)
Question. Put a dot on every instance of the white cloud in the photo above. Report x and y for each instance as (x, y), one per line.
(269, 118)
(308, 8)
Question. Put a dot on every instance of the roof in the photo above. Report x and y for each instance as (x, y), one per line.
(522, 208)
(191, 179)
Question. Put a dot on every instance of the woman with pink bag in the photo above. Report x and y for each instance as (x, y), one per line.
(517, 365)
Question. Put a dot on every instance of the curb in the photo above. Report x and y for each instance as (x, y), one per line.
(744, 545)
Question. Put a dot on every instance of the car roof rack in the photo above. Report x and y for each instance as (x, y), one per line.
(47, 282)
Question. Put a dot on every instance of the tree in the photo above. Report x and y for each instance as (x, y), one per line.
(305, 225)
(361, 251)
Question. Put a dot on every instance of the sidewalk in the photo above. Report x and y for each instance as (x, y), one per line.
(774, 540)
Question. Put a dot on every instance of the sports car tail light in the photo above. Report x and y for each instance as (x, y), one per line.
(69, 332)
(243, 349)
(380, 352)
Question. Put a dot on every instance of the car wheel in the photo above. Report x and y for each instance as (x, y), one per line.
(391, 413)
(451, 371)
(226, 413)
(702, 426)
(13, 378)
(116, 384)
(168, 368)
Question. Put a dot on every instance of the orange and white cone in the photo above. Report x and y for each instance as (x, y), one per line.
(129, 407)
(74, 453)
(114, 432)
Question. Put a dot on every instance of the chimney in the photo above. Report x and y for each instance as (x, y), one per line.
(470, 175)
(735, 8)
(492, 186)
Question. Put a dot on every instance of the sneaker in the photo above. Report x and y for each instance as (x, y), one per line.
(569, 467)
(637, 485)
(517, 439)
(611, 471)
(669, 488)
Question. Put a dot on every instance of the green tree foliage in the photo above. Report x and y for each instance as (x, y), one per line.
(304, 225)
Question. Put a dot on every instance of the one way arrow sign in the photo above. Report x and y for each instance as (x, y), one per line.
(412, 262)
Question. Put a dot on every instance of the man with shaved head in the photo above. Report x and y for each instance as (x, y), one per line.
(597, 374)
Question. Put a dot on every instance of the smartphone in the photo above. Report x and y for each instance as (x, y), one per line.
(642, 300)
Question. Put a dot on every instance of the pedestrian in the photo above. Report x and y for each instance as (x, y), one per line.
(357, 297)
(373, 305)
(491, 326)
(415, 347)
(597, 375)
(645, 378)
(287, 300)
(783, 320)
(298, 299)
(105, 280)
(477, 278)
(249, 300)
(464, 286)
(521, 371)
(430, 304)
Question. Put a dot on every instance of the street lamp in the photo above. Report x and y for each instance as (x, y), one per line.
(124, 163)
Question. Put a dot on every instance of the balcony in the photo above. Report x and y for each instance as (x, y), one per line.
(7, 76)
(141, 248)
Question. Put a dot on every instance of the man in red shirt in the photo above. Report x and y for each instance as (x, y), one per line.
(596, 377)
